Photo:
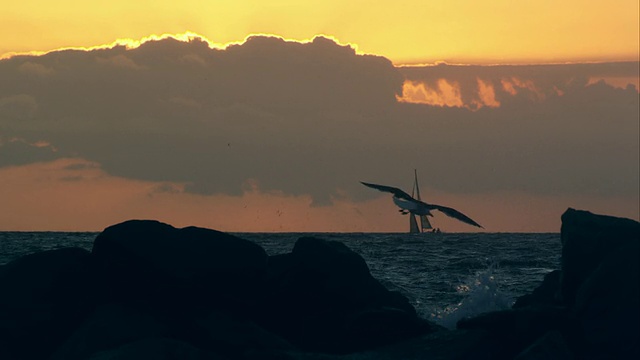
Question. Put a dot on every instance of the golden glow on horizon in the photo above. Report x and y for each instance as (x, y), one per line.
(445, 94)
(52, 196)
(448, 94)
(456, 31)
(487, 95)
(186, 36)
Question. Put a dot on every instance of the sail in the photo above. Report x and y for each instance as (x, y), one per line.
(424, 221)
(413, 225)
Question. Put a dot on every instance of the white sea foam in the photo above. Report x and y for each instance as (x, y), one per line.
(481, 294)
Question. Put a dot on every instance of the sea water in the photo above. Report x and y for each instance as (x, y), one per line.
(445, 276)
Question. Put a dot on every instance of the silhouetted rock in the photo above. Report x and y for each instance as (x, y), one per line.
(43, 297)
(547, 294)
(600, 256)
(587, 239)
(223, 290)
(235, 337)
(110, 326)
(584, 309)
(550, 346)
(157, 349)
(514, 330)
(608, 306)
(149, 290)
(187, 267)
(323, 298)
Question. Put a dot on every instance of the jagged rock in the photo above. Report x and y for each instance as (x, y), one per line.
(515, 329)
(441, 344)
(149, 290)
(608, 306)
(321, 296)
(372, 325)
(550, 346)
(160, 264)
(597, 290)
(237, 337)
(157, 349)
(121, 326)
(586, 240)
(110, 326)
(601, 279)
(43, 298)
(547, 294)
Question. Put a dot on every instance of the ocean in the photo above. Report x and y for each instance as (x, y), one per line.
(445, 276)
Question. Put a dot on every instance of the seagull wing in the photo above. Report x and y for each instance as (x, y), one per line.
(455, 214)
(395, 191)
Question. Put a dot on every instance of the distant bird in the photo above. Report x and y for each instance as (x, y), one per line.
(408, 204)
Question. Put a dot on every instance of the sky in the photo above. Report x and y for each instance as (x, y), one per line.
(267, 117)
(405, 31)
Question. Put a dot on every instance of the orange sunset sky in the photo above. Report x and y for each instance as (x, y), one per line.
(459, 31)
(264, 116)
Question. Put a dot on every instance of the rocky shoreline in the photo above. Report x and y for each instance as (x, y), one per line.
(150, 291)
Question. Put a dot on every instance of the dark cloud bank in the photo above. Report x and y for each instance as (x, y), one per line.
(316, 118)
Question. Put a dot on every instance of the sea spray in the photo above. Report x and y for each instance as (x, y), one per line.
(481, 294)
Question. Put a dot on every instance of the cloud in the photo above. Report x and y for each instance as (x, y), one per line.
(441, 93)
(120, 61)
(18, 107)
(510, 83)
(313, 119)
(487, 95)
(35, 69)
(18, 151)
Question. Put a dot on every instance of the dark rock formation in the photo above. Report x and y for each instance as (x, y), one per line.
(590, 309)
(156, 349)
(513, 330)
(587, 240)
(608, 305)
(149, 290)
(109, 326)
(323, 298)
(43, 297)
(547, 294)
(551, 345)
(601, 282)
(165, 266)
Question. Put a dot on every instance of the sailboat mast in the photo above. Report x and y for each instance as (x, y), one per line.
(415, 182)
(413, 223)
(424, 221)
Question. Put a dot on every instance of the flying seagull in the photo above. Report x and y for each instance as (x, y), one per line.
(408, 204)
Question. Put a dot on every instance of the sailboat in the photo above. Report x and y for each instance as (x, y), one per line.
(414, 228)
(413, 206)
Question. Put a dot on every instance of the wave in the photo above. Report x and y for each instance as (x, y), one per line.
(481, 293)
